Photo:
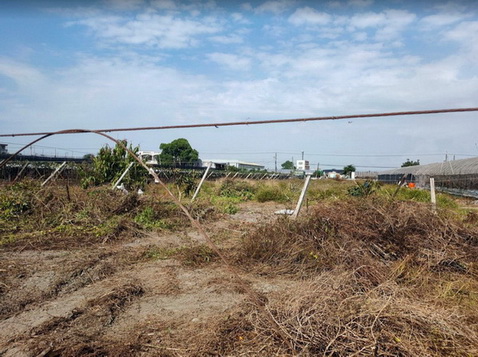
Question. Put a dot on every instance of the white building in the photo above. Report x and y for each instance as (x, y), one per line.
(149, 157)
(302, 165)
(223, 164)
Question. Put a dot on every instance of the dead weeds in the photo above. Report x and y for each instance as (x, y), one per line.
(370, 277)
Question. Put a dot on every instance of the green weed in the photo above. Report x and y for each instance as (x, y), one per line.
(158, 253)
(148, 219)
(274, 193)
(237, 189)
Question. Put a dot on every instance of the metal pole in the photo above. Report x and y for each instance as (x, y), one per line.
(201, 182)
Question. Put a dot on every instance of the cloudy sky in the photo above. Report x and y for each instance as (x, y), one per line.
(123, 63)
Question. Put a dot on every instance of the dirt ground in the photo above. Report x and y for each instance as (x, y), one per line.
(84, 301)
(365, 277)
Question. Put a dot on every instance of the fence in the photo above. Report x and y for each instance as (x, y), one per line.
(459, 185)
(19, 170)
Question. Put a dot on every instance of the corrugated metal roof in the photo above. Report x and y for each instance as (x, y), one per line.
(455, 167)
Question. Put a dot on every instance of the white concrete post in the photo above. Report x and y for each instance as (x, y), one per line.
(54, 173)
(202, 180)
(122, 176)
(432, 194)
(302, 195)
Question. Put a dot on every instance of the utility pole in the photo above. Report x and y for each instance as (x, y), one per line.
(302, 155)
(275, 160)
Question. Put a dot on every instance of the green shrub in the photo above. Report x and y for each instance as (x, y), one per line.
(148, 219)
(268, 193)
(15, 200)
(364, 189)
(418, 195)
(231, 208)
(237, 189)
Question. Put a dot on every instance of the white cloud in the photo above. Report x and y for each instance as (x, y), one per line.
(465, 35)
(300, 74)
(275, 6)
(309, 16)
(240, 18)
(442, 19)
(231, 61)
(465, 32)
(227, 39)
(396, 22)
(164, 31)
(24, 76)
(388, 24)
(368, 19)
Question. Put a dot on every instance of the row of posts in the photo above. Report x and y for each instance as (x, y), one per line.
(206, 172)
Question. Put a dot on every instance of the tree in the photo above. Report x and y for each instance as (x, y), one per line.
(288, 165)
(109, 164)
(178, 153)
(88, 157)
(411, 163)
(318, 173)
(349, 169)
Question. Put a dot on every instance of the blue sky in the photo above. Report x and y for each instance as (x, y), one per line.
(123, 63)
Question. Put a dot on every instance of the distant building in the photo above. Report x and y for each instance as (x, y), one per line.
(302, 165)
(149, 157)
(223, 164)
(3, 149)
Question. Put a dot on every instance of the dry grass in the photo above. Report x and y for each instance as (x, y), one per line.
(59, 217)
(370, 276)
(379, 279)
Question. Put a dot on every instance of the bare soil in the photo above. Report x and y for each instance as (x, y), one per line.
(122, 299)
(357, 277)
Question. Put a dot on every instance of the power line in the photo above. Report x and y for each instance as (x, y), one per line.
(276, 121)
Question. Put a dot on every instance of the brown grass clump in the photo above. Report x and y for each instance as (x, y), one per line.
(80, 333)
(333, 316)
(379, 279)
(355, 233)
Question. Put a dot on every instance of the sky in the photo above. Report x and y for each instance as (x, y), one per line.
(134, 63)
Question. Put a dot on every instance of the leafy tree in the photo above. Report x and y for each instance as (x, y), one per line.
(410, 163)
(349, 169)
(318, 173)
(88, 157)
(178, 153)
(109, 164)
(288, 165)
